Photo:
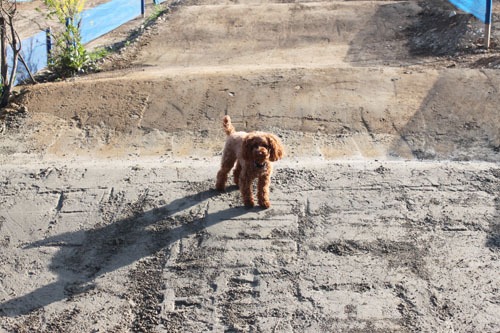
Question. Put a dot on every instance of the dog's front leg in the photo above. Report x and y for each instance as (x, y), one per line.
(263, 191)
(245, 184)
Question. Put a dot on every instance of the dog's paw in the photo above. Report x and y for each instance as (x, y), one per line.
(265, 204)
(221, 187)
(249, 203)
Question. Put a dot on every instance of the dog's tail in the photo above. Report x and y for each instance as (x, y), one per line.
(228, 126)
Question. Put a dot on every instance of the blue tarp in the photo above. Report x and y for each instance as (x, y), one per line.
(34, 53)
(106, 17)
(479, 8)
(95, 23)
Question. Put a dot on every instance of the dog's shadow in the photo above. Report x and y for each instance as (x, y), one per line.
(85, 255)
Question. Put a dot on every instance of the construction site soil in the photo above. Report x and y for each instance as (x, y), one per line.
(385, 211)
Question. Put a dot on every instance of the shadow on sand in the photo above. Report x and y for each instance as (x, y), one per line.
(493, 240)
(85, 255)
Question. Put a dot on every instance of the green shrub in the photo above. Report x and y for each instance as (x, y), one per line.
(68, 56)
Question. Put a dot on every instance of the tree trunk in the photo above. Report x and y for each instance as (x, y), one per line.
(3, 50)
(8, 80)
(3, 64)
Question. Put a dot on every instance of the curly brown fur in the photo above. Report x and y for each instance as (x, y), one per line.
(253, 153)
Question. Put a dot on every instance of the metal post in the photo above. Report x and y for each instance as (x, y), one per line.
(487, 35)
(48, 43)
(487, 24)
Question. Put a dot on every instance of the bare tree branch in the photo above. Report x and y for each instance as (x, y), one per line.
(8, 33)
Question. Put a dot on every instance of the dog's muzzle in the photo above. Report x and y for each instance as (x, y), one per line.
(260, 165)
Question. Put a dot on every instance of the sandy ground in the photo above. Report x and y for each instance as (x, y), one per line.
(385, 212)
(346, 246)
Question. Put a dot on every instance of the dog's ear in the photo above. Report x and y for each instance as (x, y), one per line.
(246, 147)
(277, 150)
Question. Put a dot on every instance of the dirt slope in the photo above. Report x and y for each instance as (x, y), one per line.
(343, 78)
(385, 212)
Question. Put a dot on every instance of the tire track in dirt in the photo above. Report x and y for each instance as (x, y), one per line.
(367, 246)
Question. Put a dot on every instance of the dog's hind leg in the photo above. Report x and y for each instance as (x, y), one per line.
(236, 173)
(226, 166)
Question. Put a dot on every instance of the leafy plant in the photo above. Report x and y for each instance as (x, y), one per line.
(69, 55)
(98, 54)
(157, 11)
(64, 9)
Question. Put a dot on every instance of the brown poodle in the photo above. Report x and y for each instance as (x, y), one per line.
(253, 153)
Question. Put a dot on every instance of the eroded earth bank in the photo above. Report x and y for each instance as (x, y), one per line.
(385, 212)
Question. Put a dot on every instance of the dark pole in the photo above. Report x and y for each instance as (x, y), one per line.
(48, 40)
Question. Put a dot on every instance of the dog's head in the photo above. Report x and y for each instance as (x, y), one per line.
(262, 147)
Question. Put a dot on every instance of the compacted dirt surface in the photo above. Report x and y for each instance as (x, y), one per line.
(385, 211)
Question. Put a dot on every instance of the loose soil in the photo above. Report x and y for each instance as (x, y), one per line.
(385, 212)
